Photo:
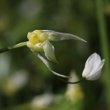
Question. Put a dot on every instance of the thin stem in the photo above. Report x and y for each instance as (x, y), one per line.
(74, 82)
(70, 82)
(4, 49)
(104, 46)
(13, 47)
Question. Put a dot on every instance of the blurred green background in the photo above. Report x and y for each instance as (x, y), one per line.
(25, 80)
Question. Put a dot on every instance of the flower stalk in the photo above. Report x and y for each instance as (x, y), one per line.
(19, 45)
(104, 46)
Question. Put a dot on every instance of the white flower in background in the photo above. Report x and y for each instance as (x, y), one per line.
(15, 82)
(93, 67)
(42, 101)
(5, 63)
(40, 41)
(74, 92)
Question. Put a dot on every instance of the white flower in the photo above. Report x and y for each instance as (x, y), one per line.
(15, 82)
(42, 101)
(93, 67)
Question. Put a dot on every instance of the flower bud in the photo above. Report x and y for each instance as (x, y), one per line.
(93, 67)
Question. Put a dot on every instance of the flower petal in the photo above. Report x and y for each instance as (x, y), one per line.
(58, 36)
(46, 62)
(91, 64)
(96, 62)
(97, 74)
(49, 51)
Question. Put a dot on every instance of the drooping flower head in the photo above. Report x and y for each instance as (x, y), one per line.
(40, 41)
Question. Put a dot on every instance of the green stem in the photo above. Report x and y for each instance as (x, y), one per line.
(70, 82)
(13, 47)
(104, 46)
(79, 81)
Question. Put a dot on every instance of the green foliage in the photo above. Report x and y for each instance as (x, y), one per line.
(17, 18)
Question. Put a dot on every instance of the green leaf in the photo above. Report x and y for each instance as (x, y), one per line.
(46, 62)
(58, 36)
(49, 51)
